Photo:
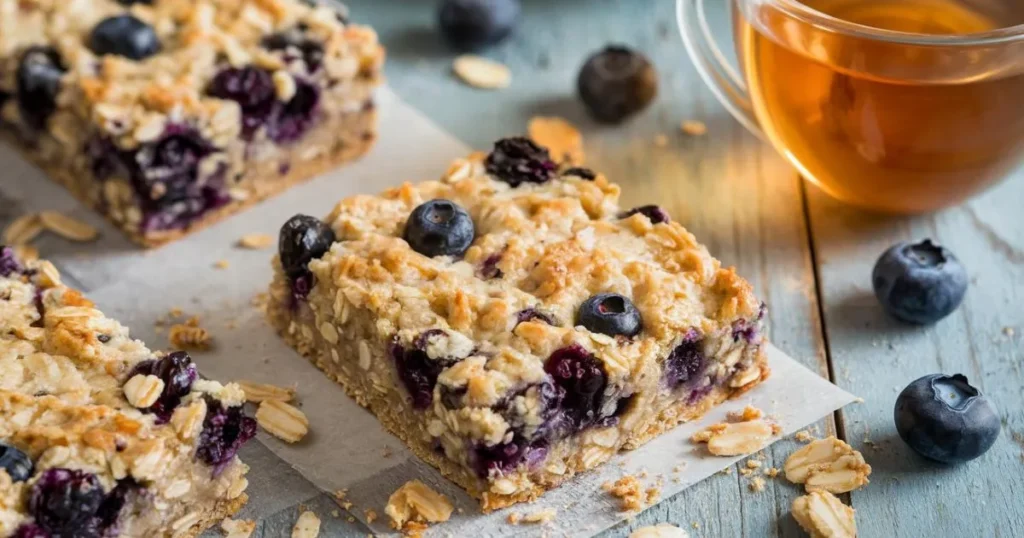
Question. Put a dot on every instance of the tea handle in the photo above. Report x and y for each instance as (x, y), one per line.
(721, 77)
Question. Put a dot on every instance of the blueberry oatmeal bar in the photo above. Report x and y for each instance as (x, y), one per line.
(167, 115)
(99, 436)
(511, 323)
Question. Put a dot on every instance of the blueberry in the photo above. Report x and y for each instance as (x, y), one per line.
(225, 430)
(65, 501)
(531, 314)
(303, 239)
(30, 530)
(506, 457)
(519, 160)
(945, 419)
(686, 361)
(124, 35)
(293, 119)
(417, 370)
(583, 379)
(312, 51)
(178, 373)
(8, 262)
(616, 83)
(582, 173)
(439, 228)
(471, 25)
(919, 283)
(253, 89)
(611, 314)
(489, 268)
(38, 83)
(654, 213)
(15, 462)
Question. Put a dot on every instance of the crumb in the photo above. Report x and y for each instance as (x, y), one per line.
(628, 490)
(695, 525)
(748, 413)
(513, 518)
(746, 472)
(693, 128)
(541, 517)
(307, 526)
(176, 312)
(771, 472)
(1009, 332)
(256, 241)
(221, 264)
(335, 514)
(642, 473)
(756, 485)
(660, 140)
(414, 503)
(727, 470)
(803, 436)
(387, 452)
(679, 468)
(371, 515)
(350, 519)
(651, 495)
(237, 528)
(190, 337)
(260, 300)
(858, 400)
(753, 464)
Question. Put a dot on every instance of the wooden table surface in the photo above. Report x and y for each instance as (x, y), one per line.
(809, 257)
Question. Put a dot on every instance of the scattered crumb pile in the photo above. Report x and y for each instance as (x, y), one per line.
(414, 505)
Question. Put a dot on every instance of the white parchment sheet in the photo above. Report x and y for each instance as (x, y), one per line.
(346, 446)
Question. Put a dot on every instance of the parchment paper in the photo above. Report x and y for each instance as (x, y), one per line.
(346, 446)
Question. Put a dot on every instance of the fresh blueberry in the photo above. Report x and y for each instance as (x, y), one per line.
(945, 419)
(225, 430)
(124, 35)
(38, 83)
(582, 378)
(686, 361)
(15, 462)
(519, 160)
(582, 173)
(311, 50)
(65, 501)
(178, 373)
(8, 262)
(654, 213)
(611, 314)
(30, 530)
(439, 228)
(616, 83)
(303, 239)
(471, 25)
(253, 89)
(920, 283)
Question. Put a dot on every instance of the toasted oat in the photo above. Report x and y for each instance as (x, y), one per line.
(256, 241)
(237, 528)
(258, 392)
(663, 530)
(414, 503)
(629, 491)
(482, 73)
(753, 464)
(562, 139)
(68, 227)
(823, 516)
(371, 515)
(23, 230)
(283, 421)
(307, 526)
(541, 517)
(142, 391)
(27, 253)
(828, 465)
(187, 336)
(737, 438)
(694, 127)
(748, 413)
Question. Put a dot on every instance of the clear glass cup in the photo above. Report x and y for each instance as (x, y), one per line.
(915, 113)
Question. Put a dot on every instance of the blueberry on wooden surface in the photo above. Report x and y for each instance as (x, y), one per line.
(303, 239)
(611, 314)
(38, 83)
(439, 228)
(616, 83)
(124, 35)
(919, 283)
(471, 25)
(945, 419)
(17, 464)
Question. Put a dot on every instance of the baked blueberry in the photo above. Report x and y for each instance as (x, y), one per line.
(15, 462)
(945, 419)
(38, 83)
(919, 283)
(686, 361)
(439, 228)
(225, 430)
(30, 530)
(8, 262)
(293, 119)
(531, 314)
(474, 24)
(311, 50)
(124, 35)
(582, 380)
(65, 501)
(519, 160)
(616, 83)
(582, 173)
(178, 373)
(303, 239)
(611, 314)
(252, 88)
(655, 213)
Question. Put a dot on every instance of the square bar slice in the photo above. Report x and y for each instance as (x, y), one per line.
(99, 436)
(168, 115)
(511, 323)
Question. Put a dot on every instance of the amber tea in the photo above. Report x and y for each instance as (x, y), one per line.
(879, 123)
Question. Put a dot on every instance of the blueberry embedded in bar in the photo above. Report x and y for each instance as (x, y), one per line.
(514, 325)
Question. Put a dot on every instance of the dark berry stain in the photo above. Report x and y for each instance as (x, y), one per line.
(225, 430)
(417, 370)
(686, 362)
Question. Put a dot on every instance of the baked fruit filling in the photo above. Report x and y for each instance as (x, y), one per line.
(511, 323)
(99, 436)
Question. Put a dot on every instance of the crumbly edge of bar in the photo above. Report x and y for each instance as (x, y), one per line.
(220, 511)
(378, 395)
(261, 180)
